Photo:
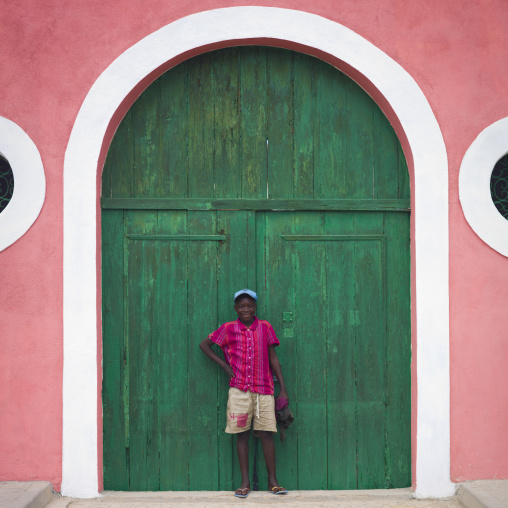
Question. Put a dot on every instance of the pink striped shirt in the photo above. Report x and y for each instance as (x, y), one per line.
(246, 350)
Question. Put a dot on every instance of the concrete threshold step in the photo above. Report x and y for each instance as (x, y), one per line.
(25, 494)
(398, 498)
(483, 494)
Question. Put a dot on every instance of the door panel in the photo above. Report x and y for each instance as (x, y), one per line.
(171, 265)
(327, 270)
(255, 122)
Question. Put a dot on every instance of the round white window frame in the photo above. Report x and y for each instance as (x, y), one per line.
(29, 183)
(474, 186)
(81, 397)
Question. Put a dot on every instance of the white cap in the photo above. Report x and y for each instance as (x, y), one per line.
(246, 292)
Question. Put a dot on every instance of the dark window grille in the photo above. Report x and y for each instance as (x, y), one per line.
(499, 186)
(6, 183)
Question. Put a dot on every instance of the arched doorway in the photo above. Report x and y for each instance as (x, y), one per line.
(267, 168)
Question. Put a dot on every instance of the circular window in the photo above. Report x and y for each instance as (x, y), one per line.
(481, 186)
(6, 183)
(499, 186)
(22, 182)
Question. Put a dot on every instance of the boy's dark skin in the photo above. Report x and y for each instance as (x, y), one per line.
(245, 307)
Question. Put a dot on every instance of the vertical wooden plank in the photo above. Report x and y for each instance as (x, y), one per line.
(143, 355)
(119, 164)
(256, 255)
(304, 105)
(146, 171)
(310, 327)
(202, 374)
(279, 301)
(107, 176)
(332, 130)
(171, 291)
(232, 275)
(386, 166)
(360, 172)
(252, 256)
(369, 273)
(243, 247)
(340, 360)
(253, 122)
(174, 125)
(126, 330)
(280, 123)
(115, 454)
(398, 357)
(226, 78)
(404, 191)
(257, 467)
(260, 246)
(201, 121)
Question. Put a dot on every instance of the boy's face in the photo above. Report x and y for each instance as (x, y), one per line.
(245, 307)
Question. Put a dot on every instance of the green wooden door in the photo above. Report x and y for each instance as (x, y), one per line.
(168, 283)
(270, 169)
(333, 292)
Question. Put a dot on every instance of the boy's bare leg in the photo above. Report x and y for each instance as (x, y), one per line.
(269, 452)
(242, 448)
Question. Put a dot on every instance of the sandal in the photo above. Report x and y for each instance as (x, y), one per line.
(242, 492)
(278, 490)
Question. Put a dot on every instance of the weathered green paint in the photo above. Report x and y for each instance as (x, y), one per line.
(255, 204)
(183, 238)
(263, 168)
(331, 238)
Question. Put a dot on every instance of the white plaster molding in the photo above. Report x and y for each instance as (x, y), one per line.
(29, 182)
(431, 219)
(474, 186)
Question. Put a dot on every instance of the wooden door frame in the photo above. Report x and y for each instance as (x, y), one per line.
(410, 113)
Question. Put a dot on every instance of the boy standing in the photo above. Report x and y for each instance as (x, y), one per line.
(249, 351)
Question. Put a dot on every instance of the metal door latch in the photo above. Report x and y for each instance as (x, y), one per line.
(287, 318)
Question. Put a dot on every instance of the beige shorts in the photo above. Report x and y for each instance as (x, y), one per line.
(245, 406)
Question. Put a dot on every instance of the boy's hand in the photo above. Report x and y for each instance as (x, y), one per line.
(282, 395)
(229, 371)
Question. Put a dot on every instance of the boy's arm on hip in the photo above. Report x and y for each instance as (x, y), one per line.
(206, 347)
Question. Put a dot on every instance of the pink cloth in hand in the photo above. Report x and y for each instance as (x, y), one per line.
(281, 403)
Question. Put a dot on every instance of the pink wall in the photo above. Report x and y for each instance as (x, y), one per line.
(455, 50)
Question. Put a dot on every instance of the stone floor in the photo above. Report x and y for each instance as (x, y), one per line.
(400, 498)
(476, 494)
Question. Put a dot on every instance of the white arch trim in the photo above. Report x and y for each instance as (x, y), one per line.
(474, 186)
(80, 473)
(29, 182)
